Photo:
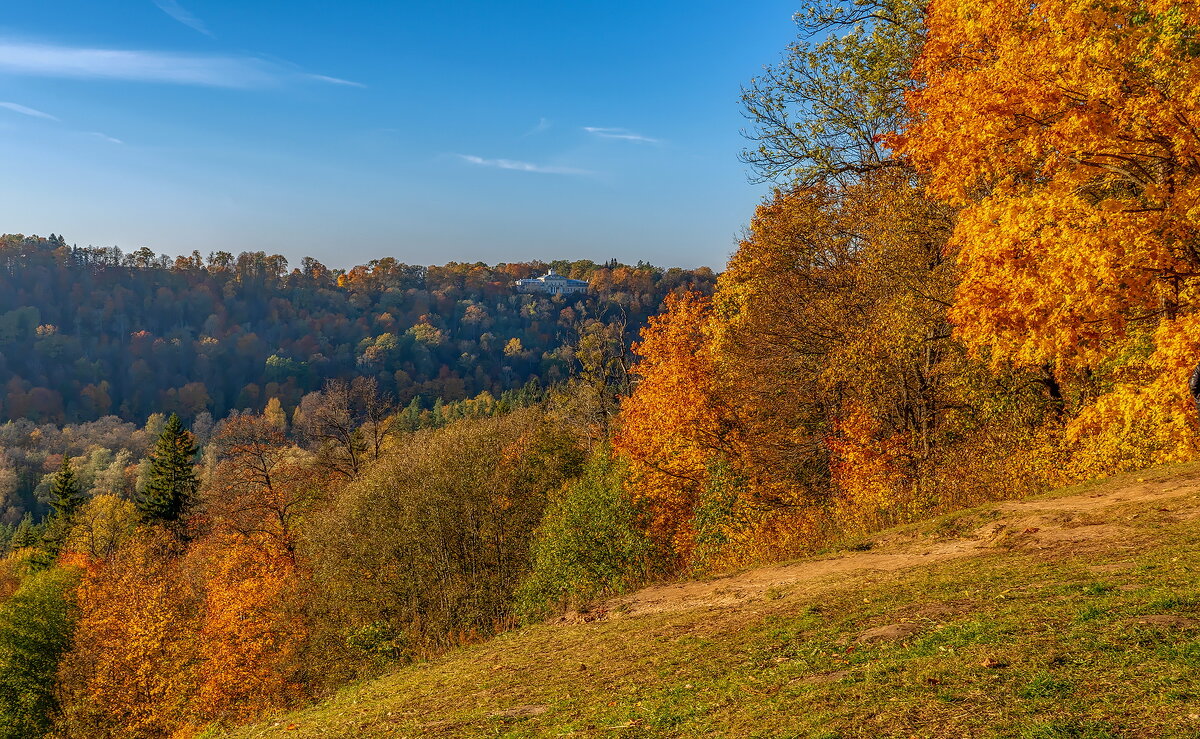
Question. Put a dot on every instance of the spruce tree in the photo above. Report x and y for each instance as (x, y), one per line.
(172, 483)
(26, 534)
(65, 494)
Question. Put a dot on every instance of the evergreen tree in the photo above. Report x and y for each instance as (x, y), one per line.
(26, 534)
(172, 482)
(410, 417)
(66, 496)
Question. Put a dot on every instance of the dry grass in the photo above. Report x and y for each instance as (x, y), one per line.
(1100, 638)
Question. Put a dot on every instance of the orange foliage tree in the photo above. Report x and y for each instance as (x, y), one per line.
(251, 633)
(1067, 133)
(675, 425)
(130, 671)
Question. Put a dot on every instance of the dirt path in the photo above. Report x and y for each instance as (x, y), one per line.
(1118, 512)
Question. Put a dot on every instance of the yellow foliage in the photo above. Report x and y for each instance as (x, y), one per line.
(130, 668)
(674, 425)
(1148, 416)
(249, 635)
(1065, 130)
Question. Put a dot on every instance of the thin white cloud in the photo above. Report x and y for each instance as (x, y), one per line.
(105, 137)
(542, 126)
(334, 80)
(521, 166)
(14, 107)
(46, 60)
(620, 133)
(181, 14)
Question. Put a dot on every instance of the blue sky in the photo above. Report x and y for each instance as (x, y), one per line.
(428, 131)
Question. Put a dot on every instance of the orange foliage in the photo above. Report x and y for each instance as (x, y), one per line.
(170, 640)
(250, 635)
(130, 671)
(1066, 131)
(674, 426)
(865, 470)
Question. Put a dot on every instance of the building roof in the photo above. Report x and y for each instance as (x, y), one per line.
(554, 277)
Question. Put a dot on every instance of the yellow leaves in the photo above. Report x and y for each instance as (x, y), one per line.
(1066, 130)
(249, 639)
(168, 640)
(1073, 164)
(672, 427)
(1148, 416)
(129, 670)
(1040, 282)
(513, 348)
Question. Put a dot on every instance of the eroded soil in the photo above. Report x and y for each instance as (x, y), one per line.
(1120, 513)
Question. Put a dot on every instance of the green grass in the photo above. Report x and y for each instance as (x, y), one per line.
(1011, 643)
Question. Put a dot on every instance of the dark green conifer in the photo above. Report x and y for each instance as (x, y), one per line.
(172, 483)
(410, 418)
(66, 496)
(26, 534)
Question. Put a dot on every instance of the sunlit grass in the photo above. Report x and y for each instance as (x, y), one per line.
(1017, 643)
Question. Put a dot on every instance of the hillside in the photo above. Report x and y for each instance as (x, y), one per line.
(88, 332)
(1074, 614)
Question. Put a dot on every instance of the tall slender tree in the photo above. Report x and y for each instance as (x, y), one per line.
(25, 535)
(172, 484)
(66, 496)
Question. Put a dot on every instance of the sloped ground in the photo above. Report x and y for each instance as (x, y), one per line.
(1075, 614)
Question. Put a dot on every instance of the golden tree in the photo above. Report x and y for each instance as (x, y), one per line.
(251, 633)
(1067, 133)
(674, 425)
(130, 671)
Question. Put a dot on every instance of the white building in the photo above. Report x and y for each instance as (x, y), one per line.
(553, 284)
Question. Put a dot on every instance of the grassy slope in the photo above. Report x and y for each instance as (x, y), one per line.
(1016, 641)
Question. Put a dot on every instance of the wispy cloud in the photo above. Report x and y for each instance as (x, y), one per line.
(181, 14)
(521, 166)
(34, 113)
(620, 133)
(542, 126)
(44, 60)
(334, 80)
(105, 137)
(49, 60)
(14, 107)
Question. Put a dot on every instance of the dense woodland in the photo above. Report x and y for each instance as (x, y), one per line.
(96, 346)
(977, 277)
(91, 332)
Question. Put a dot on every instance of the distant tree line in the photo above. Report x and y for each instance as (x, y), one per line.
(88, 332)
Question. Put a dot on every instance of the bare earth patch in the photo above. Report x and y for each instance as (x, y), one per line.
(1168, 621)
(1097, 517)
(891, 632)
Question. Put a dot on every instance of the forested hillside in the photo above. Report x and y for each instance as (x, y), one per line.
(93, 342)
(90, 332)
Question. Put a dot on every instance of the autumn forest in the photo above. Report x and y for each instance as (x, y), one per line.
(229, 486)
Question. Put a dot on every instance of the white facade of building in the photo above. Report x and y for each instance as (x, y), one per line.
(552, 283)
